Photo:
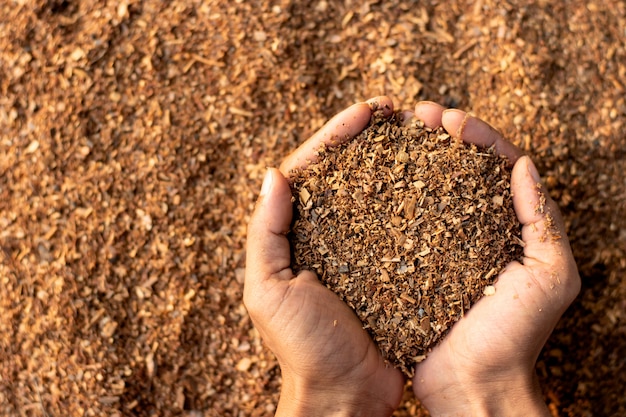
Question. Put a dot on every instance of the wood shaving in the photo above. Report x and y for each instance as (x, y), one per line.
(176, 108)
(409, 226)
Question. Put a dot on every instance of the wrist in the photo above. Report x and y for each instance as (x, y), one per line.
(506, 399)
(302, 398)
(519, 396)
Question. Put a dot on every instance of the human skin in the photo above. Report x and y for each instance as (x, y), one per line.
(486, 363)
(329, 364)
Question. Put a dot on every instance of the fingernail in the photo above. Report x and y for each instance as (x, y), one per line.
(267, 182)
(373, 103)
(532, 170)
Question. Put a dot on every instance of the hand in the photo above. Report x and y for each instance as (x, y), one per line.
(486, 364)
(329, 364)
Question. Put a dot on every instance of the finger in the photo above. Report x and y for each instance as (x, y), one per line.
(268, 252)
(344, 126)
(407, 117)
(430, 113)
(543, 230)
(473, 130)
(382, 103)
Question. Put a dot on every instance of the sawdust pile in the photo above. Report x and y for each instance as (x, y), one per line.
(134, 135)
(409, 226)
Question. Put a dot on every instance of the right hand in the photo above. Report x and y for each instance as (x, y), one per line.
(486, 363)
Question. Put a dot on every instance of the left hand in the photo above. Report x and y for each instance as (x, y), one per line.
(329, 364)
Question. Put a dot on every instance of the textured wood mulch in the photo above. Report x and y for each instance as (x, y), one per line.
(409, 226)
(134, 136)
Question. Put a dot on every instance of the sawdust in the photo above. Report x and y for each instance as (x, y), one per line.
(409, 226)
(133, 140)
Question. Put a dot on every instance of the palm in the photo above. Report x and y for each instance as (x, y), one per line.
(325, 339)
(501, 336)
(491, 338)
(319, 342)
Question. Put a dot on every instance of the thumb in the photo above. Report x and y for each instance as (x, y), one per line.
(268, 253)
(543, 231)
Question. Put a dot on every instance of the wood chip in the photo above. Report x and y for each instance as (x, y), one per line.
(435, 266)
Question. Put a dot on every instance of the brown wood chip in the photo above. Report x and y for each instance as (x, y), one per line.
(440, 252)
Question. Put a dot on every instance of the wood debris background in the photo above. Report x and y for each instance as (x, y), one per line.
(134, 136)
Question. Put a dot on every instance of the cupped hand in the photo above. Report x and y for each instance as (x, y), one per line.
(486, 364)
(329, 364)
